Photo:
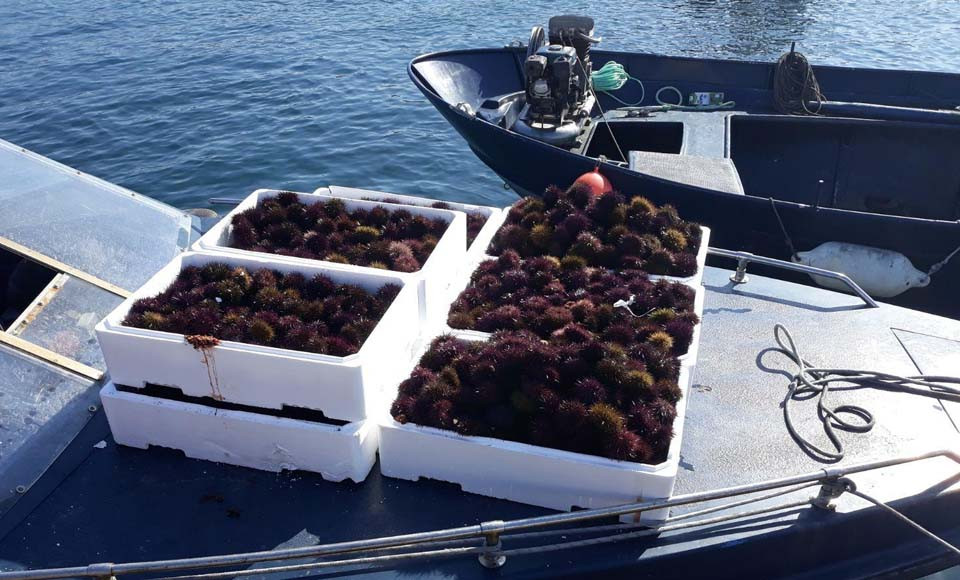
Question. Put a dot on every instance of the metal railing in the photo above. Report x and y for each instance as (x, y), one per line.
(490, 535)
(225, 200)
(744, 258)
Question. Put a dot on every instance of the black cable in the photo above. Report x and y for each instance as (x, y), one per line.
(810, 381)
(602, 114)
(852, 488)
(786, 236)
(795, 85)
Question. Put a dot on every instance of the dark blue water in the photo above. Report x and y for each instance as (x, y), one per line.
(184, 101)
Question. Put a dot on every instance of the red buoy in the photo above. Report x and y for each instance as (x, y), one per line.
(595, 180)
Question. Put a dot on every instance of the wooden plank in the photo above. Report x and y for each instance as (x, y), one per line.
(33, 310)
(50, 356)
(60, 266)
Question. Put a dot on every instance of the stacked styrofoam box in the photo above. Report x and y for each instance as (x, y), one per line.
(354, 388)
(541, 476)
(434, 277)
(244, 438)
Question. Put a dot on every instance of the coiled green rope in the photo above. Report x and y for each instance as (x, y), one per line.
(611, 77)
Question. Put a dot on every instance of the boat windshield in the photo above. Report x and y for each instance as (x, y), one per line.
(98, 227)
(71, 248)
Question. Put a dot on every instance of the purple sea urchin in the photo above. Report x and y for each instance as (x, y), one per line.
(662, 340)
(506, 317)
(579, 195)
(261, 332)
(685, 265)
(659, 262)
(681, 331)
(589, 391)
(674, 240)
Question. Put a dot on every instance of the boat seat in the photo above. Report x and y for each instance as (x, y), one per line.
(719, 174)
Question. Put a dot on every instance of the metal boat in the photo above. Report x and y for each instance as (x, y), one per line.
(873, 166)
(748, 501)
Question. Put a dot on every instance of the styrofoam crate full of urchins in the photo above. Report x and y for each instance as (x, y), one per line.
(423, 244)
(278, 343)
(562, 377)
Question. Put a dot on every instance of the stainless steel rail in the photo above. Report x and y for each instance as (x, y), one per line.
(744, 258)
(490, 532)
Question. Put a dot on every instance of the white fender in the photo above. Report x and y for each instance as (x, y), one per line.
(881, 273)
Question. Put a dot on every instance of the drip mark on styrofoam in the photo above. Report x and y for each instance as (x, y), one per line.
(205, 345)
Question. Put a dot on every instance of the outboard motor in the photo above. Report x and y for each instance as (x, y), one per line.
(557, 86)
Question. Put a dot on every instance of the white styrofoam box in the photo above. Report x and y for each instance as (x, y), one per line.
(541, 476)
(348, 388)
(240, 437)
(689, 358)
(436, 274)
(494, 215)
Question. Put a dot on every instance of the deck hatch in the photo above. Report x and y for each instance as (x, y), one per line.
(933, 355)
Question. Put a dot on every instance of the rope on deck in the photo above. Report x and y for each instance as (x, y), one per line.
(810, 381)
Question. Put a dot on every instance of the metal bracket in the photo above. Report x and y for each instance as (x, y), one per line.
(492, 556)
(102, 571)
(832, 488)
(740, 276)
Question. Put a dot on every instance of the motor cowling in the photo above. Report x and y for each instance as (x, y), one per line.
(575, 31)
(558, 94)
(552, 85)
(557, 76)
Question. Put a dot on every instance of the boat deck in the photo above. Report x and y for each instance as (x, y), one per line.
(704, 132)
(104, 503)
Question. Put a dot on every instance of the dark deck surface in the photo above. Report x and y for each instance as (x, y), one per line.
(119, 504)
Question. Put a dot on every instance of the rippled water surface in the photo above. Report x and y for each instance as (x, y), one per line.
(184, 101)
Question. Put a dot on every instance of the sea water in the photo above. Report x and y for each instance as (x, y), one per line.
(184, 101)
